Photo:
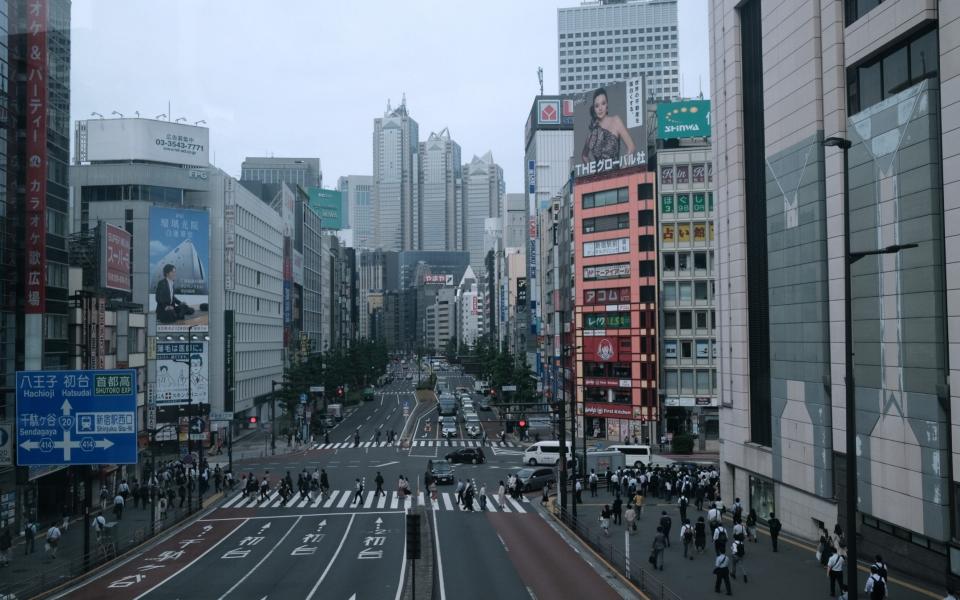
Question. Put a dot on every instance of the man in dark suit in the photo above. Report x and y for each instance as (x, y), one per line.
(169, 308)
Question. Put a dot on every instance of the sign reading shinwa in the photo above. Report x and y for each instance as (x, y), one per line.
(686, 119)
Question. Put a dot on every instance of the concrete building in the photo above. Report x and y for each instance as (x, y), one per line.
(883, 76)
(371, 279)
(603, 41)
(308, 235)
(482, 198)
(440, 324)
(440, 188)
(471, 310)
(304, 172)
(688, 377)
(615, 318)
(357, 192)
(395, 185)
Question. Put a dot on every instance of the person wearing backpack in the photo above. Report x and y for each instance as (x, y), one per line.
(721, 568)
(876, 586)
(665, 524)
(738, 552)
(700, 535)
(713, 515)
(683, 502)
(881, 567)
(775, 527)
(835, 571)
(29, 536)
(720, 539)
(593, 483)
(686, 536)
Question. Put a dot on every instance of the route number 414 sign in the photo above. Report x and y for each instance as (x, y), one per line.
(76, 417)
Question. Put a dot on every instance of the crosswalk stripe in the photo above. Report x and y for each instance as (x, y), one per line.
(446, 500)
(504, 507)
(369, 501)
(490, 506)
(317, 502)
(382, 501)
(394, 500)
(420, 500)
(304, 501)
(516, 505)
(407, 502)
(333, 497)
(232, 501)
(344, 499)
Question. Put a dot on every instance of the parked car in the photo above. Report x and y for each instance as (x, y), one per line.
(441, 472)
(534, 478)
(467, 455)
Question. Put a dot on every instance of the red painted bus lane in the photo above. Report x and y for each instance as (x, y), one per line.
(158, 564)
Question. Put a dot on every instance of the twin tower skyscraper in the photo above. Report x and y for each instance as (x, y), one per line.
(423, 197)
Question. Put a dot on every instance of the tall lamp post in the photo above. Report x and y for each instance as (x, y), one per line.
(849, 385)
(273, 405)
(190, 417)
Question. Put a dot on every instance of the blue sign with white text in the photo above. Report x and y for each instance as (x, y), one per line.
(77, 417)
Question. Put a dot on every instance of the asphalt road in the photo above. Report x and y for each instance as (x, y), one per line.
(335, 548)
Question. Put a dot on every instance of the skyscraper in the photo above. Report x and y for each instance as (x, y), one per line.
(614, 40)
(482, 196)
(395, 215)
(440, 179)
(357, 191)
(304, 172)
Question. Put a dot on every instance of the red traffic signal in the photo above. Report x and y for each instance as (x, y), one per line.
(340, 391)
(522, 423)
(253, 420)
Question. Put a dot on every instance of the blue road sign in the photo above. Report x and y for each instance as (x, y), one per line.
(76, 417)
(303, 398)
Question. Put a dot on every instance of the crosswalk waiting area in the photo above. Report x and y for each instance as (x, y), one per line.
(370, 500)
(416, 443)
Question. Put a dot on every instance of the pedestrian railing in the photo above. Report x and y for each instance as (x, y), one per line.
(633, 569)
(70, 565)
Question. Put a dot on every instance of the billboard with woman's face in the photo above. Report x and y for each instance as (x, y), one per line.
(609, 130)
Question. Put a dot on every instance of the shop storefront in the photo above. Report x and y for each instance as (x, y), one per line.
(762, 497)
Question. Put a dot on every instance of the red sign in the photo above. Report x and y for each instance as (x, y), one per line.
(606, 296)
(35, 230)
(548, 113)
(607, 382)
(601, 349)
(610, 411)
(117, 259)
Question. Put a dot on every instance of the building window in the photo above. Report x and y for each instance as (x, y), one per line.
(670, 349)
(606, 198)
(669, 292)
(606, 223)
(685, 320)
(858, 8)
(645, 218)
(645, 191)
(685, 289)
(896, 69)
(647, 268)
(669, 262)
(700, 261)
(701, 320)
(646, 243)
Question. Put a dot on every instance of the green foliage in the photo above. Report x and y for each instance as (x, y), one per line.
(682, 443)
(429, 383)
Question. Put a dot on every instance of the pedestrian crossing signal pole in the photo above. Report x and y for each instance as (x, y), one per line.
(413, 548)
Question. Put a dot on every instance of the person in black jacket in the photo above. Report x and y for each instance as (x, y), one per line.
(169, 308)
(775, 528)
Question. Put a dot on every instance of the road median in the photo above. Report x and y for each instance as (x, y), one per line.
(426, 401)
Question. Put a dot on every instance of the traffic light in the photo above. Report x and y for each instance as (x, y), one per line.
(253, 420)
(522, 423)
(340, 391)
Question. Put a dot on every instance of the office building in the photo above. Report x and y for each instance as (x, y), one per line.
(304, 172)
(615, 317)
(483, 190)
(440, 187)
(440, 322)
(603, 41)
(357, 192)
(395, 188)
(471, 321)
(881, 76)
(371, 280)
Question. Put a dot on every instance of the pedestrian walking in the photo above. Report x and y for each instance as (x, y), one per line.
(700, 535)
(358, 494)
(658, 546)
(379, 481)
(460, 487)
(356, 438)
(876, 586)
(881, 567)
(593, 483)
(264, 490)
(433, 491)
(6, 542)
(738, 553)
(377, 436)
(53, 540)
(104, 497)
(631, 518)
(29, 536)
(686, 538)
(752, 525)
(118, 503)
(720, 539)
(775, 527)
(617, 511)
(578, 491)
(666, 523)
(713, 517)
(605, 520)
(483, 496)
(683, 502)
(546, 494)
(721, 568)
(835, 571)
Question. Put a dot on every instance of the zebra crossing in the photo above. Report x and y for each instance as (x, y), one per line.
(345, 500)
(415, 443)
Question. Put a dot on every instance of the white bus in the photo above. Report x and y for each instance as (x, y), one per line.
(635, 456)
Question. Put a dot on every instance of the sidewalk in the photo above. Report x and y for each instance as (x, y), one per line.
(793, 573)
(28, 574)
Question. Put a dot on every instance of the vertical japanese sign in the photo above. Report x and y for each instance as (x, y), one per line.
(115, 243)
(101, 331)
(228, 360)
(229, 235)
(35, 230)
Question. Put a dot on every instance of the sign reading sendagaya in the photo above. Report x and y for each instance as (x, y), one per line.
(685, 119)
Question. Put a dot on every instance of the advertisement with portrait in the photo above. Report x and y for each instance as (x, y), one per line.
(609, 130)
(601, 349)
(179, 268)
(182, 370)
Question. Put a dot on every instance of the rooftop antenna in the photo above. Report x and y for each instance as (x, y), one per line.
(540, 78)
(700, 78)
(388, 106)
(403, 100)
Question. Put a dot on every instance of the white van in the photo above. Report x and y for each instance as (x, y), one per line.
(635, 456)
(543, 453)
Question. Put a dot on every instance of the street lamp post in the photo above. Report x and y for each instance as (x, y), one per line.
(851, 411)
(273, 405)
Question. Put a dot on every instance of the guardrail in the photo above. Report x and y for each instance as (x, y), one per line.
(631, 569)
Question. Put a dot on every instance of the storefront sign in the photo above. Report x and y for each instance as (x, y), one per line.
(597, 272)
(606, 247)
(609, 411)
(35, 221)
(606, 321)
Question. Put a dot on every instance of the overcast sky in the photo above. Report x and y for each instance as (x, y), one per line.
(307, 77)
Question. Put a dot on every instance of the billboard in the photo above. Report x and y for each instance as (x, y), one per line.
(182, 370)
(145, 139)
(685, 119)
(438, 279)
(609, 129)
(35, 223)
(115, 245)
(179, 268)
(548, 112)
(329, 205)
(606, 247)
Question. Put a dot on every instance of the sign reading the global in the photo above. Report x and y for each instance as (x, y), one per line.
(686, 119)
(76, 417)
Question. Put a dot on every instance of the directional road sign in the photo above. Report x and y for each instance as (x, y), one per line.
(76, 417)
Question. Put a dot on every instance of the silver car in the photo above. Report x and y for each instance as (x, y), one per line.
(535, 478)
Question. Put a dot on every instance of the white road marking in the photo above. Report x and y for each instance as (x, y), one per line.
(369, 502)
(261, 561)
(344, 499)
(333, 497)
(332, 560)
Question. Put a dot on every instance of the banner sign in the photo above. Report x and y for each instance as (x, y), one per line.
(606, 320)
(35, 222)
(229, 374)
(686, 119)
(606, 247)
(601, 349)
(612, 411)
(597, 272)
(609, 128)
(115, 243)
(438, 279)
